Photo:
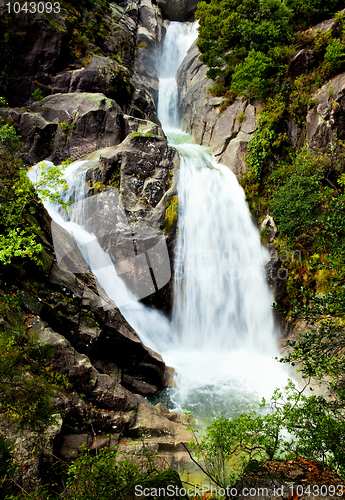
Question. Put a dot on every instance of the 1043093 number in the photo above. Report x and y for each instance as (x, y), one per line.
(33, 7)
(318, 490)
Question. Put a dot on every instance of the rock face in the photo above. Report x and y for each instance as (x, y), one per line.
(139, 175)
(150, 34)
(68, 125)
(226, 132)
(51, 42)
(177, 10)
(326, 119)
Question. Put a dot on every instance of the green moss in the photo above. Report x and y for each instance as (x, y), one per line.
(171, 214)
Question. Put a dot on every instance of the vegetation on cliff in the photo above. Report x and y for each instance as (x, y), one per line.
(247, 45)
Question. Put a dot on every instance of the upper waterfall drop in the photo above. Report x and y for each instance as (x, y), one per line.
(179, 37)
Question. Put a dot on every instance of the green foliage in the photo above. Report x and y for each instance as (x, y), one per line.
(171, 214)
(291, 424)
(252, 77)
(67, 127)
(3, 102)
(335, 54)
(26, 390)
(7, 463)
(262, 149)
(308, 12)
(109, 475)
(295, 204)
(8, 136)
(229, 29)
(19, 231)
(37, 94)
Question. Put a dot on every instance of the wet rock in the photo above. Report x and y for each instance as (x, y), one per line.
(45, 45)
(145, 79)
(298, 65)
(100, 389)
(276, 273)
(133, 124)
(93, 120)
(110, 339)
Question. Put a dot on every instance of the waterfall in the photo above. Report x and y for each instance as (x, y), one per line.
(179, 37)
(222, 342)
(225, 337)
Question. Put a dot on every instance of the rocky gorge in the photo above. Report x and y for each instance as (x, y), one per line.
(96, 71)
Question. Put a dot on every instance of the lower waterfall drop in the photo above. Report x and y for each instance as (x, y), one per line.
(225, 336)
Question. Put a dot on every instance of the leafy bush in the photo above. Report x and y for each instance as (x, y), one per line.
(110, 475)
(292, 424)
(230, 29)
(294, 205)
(252, 77)
(308, 12)
(19, 233)
(335, 54)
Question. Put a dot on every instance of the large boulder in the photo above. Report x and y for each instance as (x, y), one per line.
(137, 177)
(67, 125)
(227, 131)
(177, 10)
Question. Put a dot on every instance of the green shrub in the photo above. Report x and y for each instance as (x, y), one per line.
(335, 54)
(252, 77)
(171, 214)
(295, 203)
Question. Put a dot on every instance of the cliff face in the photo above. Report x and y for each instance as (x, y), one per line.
(226, 132)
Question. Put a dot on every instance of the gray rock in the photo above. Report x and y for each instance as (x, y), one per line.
(95, 120)
(298, 65)
(225, 126)
(146, 68)
(227, 132)
(39, 135)
(234, 156)
(133, 124)
(177, 10)
(326, 119)
(250, 122)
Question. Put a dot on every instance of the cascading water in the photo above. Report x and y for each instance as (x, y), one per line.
(222, 342)
(222, 312)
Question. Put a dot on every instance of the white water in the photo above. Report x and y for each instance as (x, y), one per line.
(222, 342)
(224, 355)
